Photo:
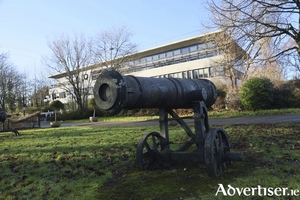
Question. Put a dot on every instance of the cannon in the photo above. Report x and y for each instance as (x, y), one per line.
(209, 146)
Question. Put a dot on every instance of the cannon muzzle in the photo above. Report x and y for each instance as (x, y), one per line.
(114, 92)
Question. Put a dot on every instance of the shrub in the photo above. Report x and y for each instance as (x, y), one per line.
(257, 93)
(56, 105)
(283, 96)
(220, 101)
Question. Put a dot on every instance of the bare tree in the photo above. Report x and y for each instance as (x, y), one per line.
(69, 56)
(259, 21)
(10, 85)
(113, 47)
(40, 91)
(4, 67)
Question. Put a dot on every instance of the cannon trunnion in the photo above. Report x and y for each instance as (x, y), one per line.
(210, 146)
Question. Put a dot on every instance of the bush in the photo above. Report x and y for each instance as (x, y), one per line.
(283, 96)
(56, 105)
(257, 93)
(220, 101)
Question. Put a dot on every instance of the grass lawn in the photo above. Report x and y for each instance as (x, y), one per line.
(99, 163)
(211, 114)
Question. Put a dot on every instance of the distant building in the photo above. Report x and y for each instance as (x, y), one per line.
(193, 58)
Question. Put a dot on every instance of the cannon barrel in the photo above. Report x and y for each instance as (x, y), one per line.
(114, 92)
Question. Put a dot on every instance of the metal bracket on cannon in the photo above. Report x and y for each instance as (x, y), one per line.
(210, 146)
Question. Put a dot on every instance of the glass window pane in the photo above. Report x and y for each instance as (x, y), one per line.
(162, 55)
(185, 50)
(155, 57)
(193, 48)
(195, 74)
(169, 54)
(176, 52)
(200, 73)
(202, 46)
(211, 72)
(149, 58)
(205, 73)
(189, 74)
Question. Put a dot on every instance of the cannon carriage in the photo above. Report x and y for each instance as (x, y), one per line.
(114, 92)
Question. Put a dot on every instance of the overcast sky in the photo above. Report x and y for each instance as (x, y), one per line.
(26, 25)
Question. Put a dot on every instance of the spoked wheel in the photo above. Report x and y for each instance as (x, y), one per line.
(148, 151)
(216, 146)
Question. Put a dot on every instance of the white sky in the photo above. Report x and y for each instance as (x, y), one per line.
(26, 25)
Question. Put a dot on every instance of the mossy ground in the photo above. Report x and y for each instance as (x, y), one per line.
(99, 163)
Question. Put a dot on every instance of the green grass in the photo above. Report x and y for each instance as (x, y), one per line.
(212, 114)
(245, 113)
(99, 163)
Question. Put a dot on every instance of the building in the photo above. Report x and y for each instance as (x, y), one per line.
(195, 57)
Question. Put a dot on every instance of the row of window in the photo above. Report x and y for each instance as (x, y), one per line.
(191, 74)
(63, 95)
(201, 73)
(173, 60)
(184, 50)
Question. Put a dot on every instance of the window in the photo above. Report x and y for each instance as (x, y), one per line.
(162, 55)
(205, 72)
(94, 77)
(211, 72)
(149, 59)
(155, 57)
(200, 73)
(184, 74)
(195, 74)
(202, 46)
(142, 60)
(169, 54)
(53, 96)
(176, 52)
(189, 74)
(185, 50)
(193, 48)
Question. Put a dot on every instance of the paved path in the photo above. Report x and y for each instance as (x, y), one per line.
(242, 120)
